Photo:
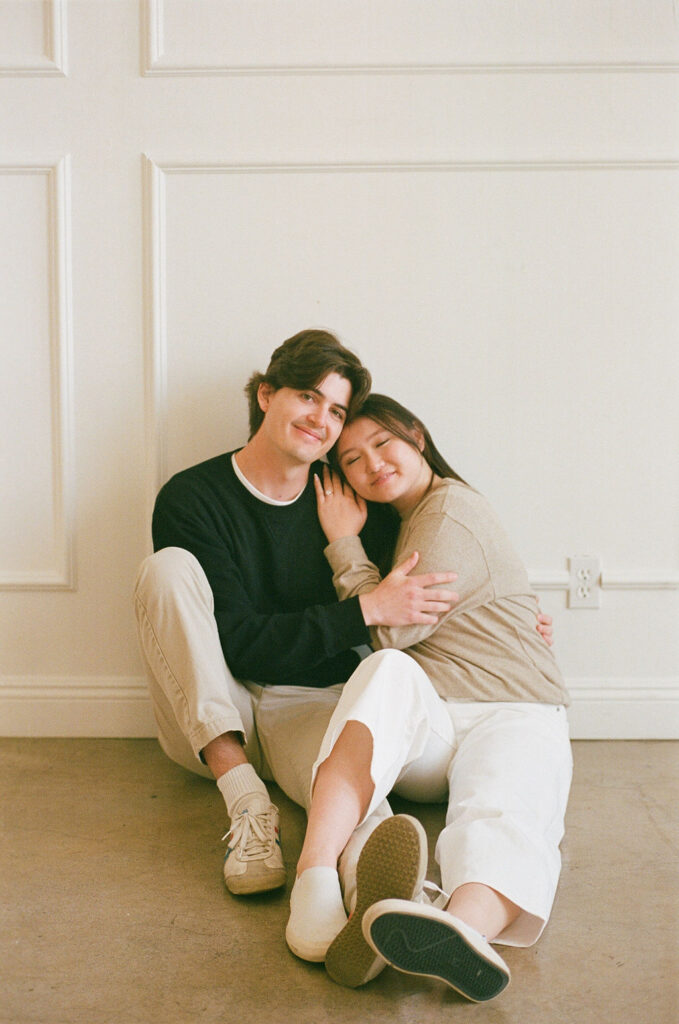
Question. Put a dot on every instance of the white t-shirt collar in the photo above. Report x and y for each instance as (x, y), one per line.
(257, 493)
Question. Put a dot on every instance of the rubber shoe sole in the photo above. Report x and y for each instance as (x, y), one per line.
(418, 939)
(392, 865)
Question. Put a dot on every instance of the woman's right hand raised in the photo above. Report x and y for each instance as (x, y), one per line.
(341, 512)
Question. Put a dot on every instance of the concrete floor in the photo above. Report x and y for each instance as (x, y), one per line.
(115, 911)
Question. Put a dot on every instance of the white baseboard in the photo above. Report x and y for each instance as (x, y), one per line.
(83, 706)
(624, 708)
(117, 706)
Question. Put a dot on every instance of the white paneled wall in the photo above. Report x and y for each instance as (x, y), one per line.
(35, 395)
(33, 37)
(481, 199)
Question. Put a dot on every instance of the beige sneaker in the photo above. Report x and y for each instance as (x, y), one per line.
(253, 861)
(392, 864)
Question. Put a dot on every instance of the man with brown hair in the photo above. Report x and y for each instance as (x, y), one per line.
(244, 642)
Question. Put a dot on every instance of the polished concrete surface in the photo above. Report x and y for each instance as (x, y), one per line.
(114, 911)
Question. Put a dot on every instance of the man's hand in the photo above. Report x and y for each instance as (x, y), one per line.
(403, 600)
(544, 628)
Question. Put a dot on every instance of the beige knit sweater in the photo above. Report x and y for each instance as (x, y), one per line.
(487, 647)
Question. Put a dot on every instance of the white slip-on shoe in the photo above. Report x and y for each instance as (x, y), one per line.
(420, 939)
(392, 863)
(317, 913)
(253, 861)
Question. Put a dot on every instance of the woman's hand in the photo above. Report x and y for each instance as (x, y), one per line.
(341, 512)
(544, 628)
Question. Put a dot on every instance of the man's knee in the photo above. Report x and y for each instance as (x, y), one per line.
(164, 570)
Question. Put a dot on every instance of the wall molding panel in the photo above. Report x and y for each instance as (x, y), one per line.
(54, 59)
(60, 575)
(155, 174)
(155, 327)
(156, 60)
(115, 706)
(620, 580)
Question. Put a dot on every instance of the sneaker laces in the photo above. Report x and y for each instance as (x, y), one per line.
(253, 835)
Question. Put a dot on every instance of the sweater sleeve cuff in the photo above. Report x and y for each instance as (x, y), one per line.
(352, 631)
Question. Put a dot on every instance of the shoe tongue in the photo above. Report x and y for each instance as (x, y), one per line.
(254, 803)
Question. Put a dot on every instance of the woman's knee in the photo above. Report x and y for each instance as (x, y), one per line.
(394, 670)
(389, 684)
(389, 656)
(388, 662)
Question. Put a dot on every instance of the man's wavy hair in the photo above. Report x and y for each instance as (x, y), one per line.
(303, 361)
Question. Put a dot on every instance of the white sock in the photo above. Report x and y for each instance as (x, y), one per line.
(317, 913)
(238, 782)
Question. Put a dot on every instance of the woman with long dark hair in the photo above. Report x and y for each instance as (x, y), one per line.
(466, 705)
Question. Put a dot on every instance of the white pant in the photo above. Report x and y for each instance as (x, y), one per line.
(505, 767)
(195, 698)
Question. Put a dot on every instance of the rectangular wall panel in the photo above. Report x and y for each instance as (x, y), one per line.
(215, 36)
(35, 415)
(32, 37)
(461, 267)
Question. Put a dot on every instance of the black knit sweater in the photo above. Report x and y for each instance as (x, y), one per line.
(277, 613)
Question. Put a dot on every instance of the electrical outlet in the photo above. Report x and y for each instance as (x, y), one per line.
(584, 587)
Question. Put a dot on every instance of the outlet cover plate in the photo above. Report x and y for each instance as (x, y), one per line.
(584, 588)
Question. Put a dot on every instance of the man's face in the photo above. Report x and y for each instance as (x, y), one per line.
(304, 425)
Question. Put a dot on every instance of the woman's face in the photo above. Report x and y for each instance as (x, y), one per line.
(380, 466)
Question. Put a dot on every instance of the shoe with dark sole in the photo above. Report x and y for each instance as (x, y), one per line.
(392, 865)
(419, 939)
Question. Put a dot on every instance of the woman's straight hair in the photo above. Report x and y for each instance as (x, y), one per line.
(399, 421)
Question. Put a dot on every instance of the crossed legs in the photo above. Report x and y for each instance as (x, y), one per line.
(508, 770)
(341, 797)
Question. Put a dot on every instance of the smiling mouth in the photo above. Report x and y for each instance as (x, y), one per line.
(309, 433)
(383, 478)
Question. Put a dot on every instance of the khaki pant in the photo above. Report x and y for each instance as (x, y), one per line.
(195, 698)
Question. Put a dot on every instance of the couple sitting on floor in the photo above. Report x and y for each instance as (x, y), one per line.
(254, 675)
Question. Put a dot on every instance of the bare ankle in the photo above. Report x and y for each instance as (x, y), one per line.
(483, 908)
(224, 753)
(316, 859)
